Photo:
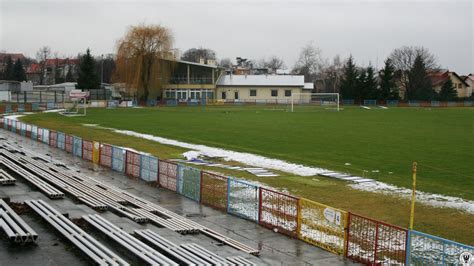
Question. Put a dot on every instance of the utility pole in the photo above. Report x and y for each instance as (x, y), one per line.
(101, 70)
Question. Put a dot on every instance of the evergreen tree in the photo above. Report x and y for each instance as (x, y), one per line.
(8, 72)
(349, 80)
(19, 73)
(69, 75)
(419, 84)
(370, 86)
(388, 90)
(448, 92)
(359, 92)
(88, 79)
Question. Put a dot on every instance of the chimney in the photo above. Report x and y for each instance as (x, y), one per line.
(201, 61)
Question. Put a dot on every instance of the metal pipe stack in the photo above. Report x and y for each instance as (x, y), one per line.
(6, 178)
(14, 227)
(135, 246)
(87, 244)
(205, 254)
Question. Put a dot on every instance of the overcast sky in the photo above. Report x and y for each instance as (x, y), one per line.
(369, 30)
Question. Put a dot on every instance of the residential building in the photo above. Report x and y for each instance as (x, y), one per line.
(438, 78)
(55, 71)
(469, 79)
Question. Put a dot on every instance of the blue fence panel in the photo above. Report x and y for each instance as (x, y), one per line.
(370, 102)
(435, 104)
(5, 123)
(45, 135)
(8, 108)
(468, 103)
(118, 159)
(77, 146)
(425, 249)
(452, 104)
(171, 102)
(189, 182)
(13, 128)
(21, 108)
(348, 102)
(149, 168)
(192, 103)
(151, 103)
(392, 102)
(413, 103)
(23, 129)
(242, 199)
(50, 106)
(35, 107)
(112, 104)
(61, 141)
(34, 132)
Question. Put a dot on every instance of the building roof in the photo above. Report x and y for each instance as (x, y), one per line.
(14, 57)
(308, 86)
(439, 77)
(262, 80)
(190, 63)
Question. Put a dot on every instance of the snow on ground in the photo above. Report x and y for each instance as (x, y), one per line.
(301, 170)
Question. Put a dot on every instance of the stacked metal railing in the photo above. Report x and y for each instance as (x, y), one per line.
(14, 227)
(140, 249)
(6, 178)
(87, 244)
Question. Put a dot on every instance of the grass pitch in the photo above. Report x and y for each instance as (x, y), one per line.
(377, 143)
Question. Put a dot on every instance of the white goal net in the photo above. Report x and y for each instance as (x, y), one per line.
(324, 100)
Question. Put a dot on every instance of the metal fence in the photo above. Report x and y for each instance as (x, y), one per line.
(189, 182)
(322, 226)
(375, 243)
(87, 150)
(278, 211)
(45, 136)
(132, 164)
(69, 143)
(214, 190)
(61, 140)
(168, 175)
(242, 199)
(105, 155)
(149, 168)
(118, 159)
(53, 138)
(77, 146)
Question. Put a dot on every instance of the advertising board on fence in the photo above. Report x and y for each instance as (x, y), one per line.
(118, 159)
(132, 167)
(105, 155)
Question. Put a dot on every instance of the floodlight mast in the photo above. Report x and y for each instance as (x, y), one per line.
(316, 94)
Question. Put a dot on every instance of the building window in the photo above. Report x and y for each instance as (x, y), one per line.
(288, 93)
(274, 93)
(459, 85)
(223, 95)
(236, 95)
(253, 93)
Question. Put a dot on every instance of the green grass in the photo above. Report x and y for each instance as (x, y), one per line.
(255, 129)
(440, 140)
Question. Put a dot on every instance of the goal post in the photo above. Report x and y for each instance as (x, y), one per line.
(315, 99)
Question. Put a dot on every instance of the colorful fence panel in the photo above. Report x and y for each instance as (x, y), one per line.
(375, 243)
(96, 152)
(53, 138)
(77, 146)
(242, 199)
(149, 168)
(214, 190)
(34, 132)
(40, 134)
(278, 211)
(28, 130)
(168, 175)
(133, 162)
(13, 126)
(5, 123)
(322, 226)
(45, 136)
(105, 155)
(118, 159)
(189, 182)
(23, 129)
(425, 249)
(8, 108)
(87, 149)
(61, 141)
(69, 143)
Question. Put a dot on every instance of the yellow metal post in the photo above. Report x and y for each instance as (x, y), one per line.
(413, 196)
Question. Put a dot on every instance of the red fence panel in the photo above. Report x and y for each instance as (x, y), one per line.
(132, 165)
(375, 243)
(105, 155)
(278, 211)
(28, 130)
(214, 190)
(87, 149)
(40, 134)
(69, 143)
(53, 138)
(168, 175)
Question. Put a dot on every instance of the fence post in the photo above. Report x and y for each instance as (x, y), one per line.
(376, 241)
(228, 194)
(259, 203)
(299, 218)
(408, 247)
(200, 186)
(346, 251)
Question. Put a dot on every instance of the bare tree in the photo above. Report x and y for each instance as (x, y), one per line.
(273, 63)
(138, 58)
(331, 74)
(403, 59)
(42, 56)
(195, 54)
(226, 63)
(309, 62)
